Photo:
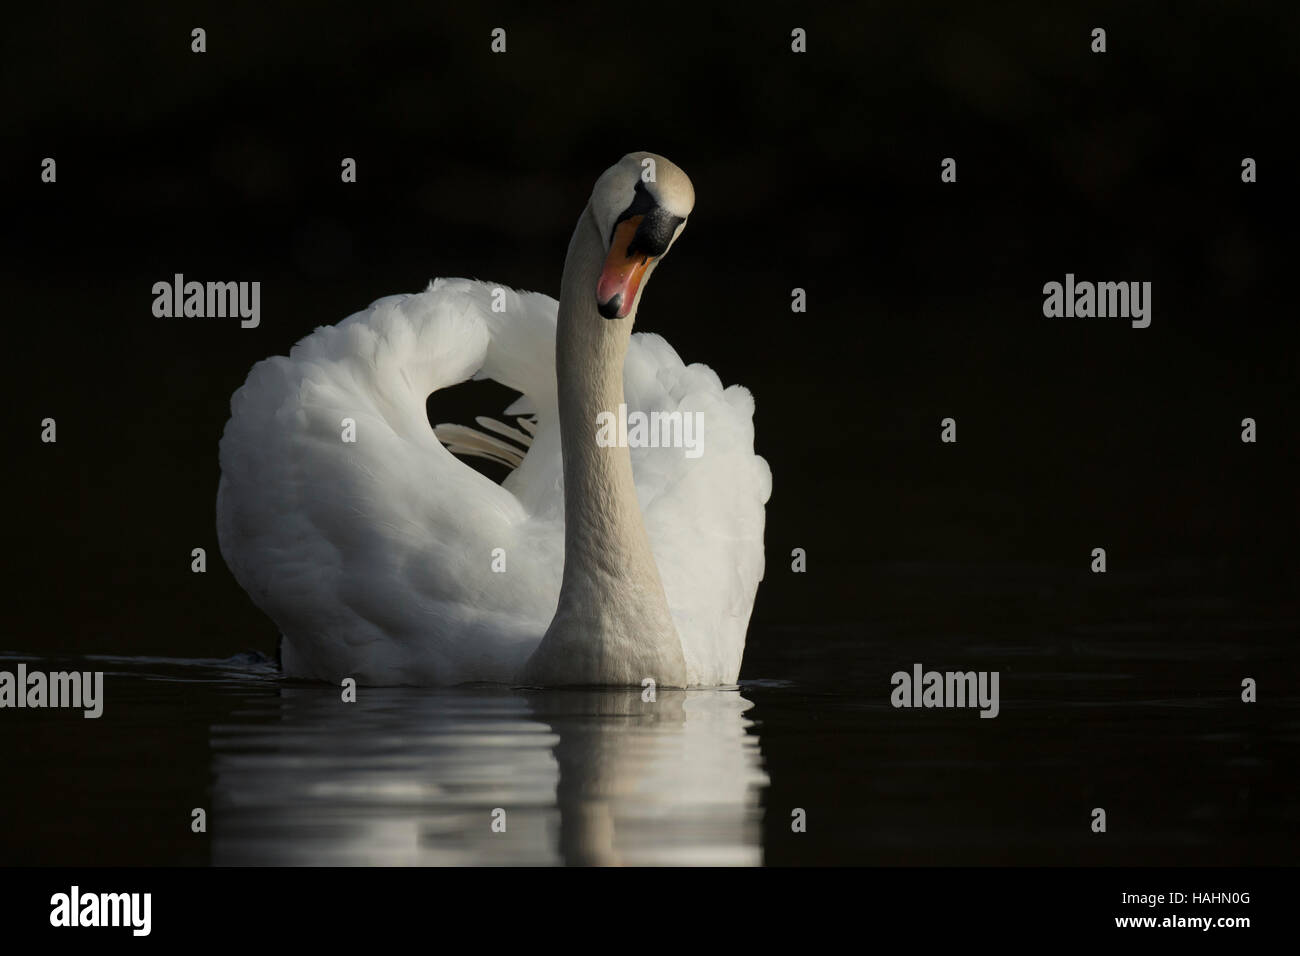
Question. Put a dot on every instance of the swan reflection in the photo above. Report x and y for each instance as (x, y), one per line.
(407, 776)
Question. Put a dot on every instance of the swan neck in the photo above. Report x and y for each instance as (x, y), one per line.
(603, 526)
(590, 349)
(612, 624)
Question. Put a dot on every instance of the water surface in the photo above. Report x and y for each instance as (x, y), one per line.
(1140, 716)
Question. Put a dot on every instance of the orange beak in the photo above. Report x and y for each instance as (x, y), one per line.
(621, 278)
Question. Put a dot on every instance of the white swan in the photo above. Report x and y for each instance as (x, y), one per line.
(375, 556)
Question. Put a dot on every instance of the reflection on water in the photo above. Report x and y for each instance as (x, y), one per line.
(1138, 714)
(407, 776)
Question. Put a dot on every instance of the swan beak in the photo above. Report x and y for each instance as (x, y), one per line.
(624, 269)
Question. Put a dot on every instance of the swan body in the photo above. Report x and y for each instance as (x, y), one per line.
(387, 559)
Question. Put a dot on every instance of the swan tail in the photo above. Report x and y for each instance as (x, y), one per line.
(466, 442)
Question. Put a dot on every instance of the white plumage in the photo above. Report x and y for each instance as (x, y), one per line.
(374, 558)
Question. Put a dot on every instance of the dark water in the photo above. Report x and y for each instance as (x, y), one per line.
(1141, 717)
(1119, 691)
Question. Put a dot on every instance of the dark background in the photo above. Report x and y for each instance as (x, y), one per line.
(819, 171)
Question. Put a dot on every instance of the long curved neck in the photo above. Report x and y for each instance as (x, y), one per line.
(603, 528)
(612, 624)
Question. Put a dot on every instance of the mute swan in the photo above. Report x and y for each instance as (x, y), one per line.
(383, 557)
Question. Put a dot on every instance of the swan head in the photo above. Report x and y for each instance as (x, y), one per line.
(640, 205)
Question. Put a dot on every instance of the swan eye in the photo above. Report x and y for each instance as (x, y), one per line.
(654, 233)
(642, 205)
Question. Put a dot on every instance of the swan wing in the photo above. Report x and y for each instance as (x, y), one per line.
(372, 547)
(346, 520)
(704, 507)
